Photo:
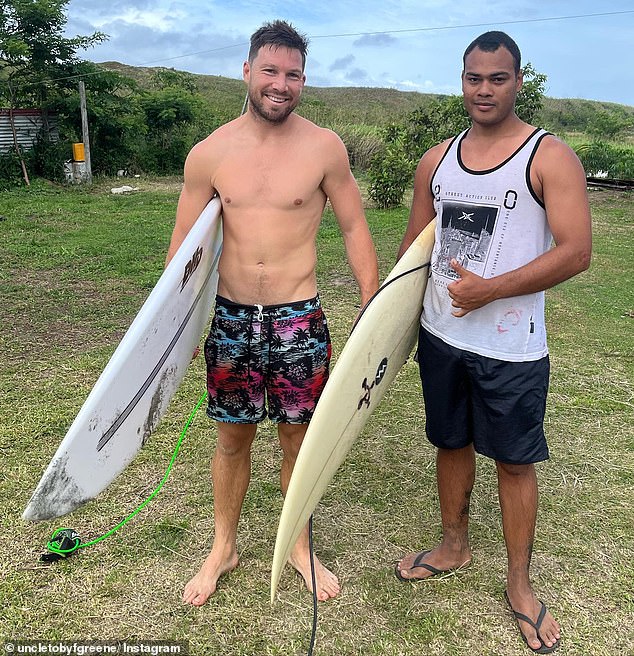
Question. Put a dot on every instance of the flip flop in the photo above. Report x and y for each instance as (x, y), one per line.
(543, 649)
(418, 563)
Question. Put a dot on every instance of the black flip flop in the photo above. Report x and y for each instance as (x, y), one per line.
(544, 649)
(417, 563)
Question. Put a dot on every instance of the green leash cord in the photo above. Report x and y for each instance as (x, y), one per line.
(65, 541)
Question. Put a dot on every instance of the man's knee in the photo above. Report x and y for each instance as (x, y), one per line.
(291, 437)
(234, 439)
(511, 471)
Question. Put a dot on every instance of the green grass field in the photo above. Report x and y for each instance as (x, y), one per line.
(76, 265)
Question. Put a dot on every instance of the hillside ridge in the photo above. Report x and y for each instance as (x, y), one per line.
(371, 105)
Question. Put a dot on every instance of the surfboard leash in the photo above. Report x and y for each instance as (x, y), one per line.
(310, 520)
(313, 580)
(66, 541)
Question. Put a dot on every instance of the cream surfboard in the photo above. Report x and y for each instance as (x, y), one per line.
(379, 345)
(136, 386)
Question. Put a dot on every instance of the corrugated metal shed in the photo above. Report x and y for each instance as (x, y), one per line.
(28, 123)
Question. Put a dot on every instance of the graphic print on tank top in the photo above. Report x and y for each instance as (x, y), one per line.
(466, 236)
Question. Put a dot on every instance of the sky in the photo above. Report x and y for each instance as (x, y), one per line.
(584, 47)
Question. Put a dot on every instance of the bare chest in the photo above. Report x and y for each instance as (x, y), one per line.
(281, 180)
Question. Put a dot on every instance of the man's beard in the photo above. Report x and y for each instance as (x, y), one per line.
(257, 107)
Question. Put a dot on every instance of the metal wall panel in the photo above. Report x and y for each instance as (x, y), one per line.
(28, 123)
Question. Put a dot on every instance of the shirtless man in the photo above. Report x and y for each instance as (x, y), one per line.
(501, 190)
(273, 172)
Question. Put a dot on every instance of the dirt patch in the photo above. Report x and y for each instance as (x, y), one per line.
(167, 184)
(46, 311)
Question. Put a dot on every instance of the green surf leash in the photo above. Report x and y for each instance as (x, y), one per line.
(66, 541)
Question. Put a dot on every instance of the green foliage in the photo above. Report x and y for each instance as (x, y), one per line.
(605, 125)
(167, 108)
(169, 78)
(46, 156)
(425, 127)
(41, 69)
(115, 121)
(530, 98)
(177, 116)
(36, 59)
(43, 160)
(150, 129)
(391, 170)
(599, 157)
(10, 171)
(362, 142)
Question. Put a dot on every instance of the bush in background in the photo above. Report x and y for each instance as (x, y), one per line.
(391, 170)
(362, 142)
(603, 159)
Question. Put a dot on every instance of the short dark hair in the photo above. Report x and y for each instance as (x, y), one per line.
(490, 42)
(281, 34)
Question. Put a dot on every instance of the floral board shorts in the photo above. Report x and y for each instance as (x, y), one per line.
(260, 358)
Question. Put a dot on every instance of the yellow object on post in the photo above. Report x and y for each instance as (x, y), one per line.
(78, 152)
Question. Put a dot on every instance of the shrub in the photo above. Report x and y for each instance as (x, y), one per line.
(10, 170)
(363, 143)
(599, 157)
(390, 174)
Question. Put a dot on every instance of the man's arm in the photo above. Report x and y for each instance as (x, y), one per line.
(196, 193)
(563, 187)
(342, 190)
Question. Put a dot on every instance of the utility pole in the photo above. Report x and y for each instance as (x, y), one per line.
(84, 130)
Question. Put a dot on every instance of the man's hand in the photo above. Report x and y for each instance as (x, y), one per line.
(469, 292)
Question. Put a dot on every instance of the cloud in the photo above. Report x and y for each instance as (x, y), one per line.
(375, 40)
(342, 63)
(357, 75)
(416, 50)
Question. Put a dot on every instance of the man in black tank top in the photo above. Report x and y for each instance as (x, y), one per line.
(500, 191)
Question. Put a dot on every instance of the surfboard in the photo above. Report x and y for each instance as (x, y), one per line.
(380, 343)
(134, 389)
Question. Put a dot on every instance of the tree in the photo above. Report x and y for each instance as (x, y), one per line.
(179, 118)
(391, 170)
(530, 99)
(117, 126)
(37, 61)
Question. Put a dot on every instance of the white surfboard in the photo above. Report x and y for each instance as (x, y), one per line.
(379, 345)
(136, 386)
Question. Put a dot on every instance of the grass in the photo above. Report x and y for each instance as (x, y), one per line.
(77, 264)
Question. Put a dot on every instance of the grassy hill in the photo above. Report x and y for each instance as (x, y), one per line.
(373, 106)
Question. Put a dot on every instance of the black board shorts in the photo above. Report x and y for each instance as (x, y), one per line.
(495, 405)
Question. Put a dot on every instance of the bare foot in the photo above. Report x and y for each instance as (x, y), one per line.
(204, 583)
(327, 583)
(537, 633)
(420, 565)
